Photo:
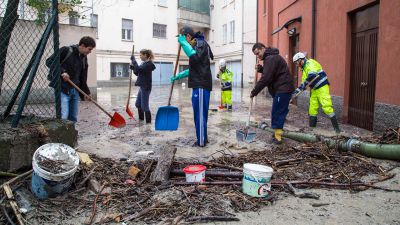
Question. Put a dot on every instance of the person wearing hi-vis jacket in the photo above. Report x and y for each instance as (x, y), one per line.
(200, 78)
(225, 76)
(314, 77)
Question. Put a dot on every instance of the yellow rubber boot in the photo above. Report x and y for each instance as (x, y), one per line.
(278, 136)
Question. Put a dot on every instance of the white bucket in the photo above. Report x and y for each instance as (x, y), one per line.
(195, 173)
(256, 179)
(48, 182)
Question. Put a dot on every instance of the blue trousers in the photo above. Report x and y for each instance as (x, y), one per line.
(280, 109)
(200, 104)
(70, 105)
(142, 99)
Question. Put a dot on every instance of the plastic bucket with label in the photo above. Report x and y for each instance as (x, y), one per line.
(195, 173)
(256, 179)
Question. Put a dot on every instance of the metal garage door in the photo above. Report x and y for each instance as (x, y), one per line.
(162, 73)
(236, 68)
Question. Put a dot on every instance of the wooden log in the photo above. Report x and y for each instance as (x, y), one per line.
(13, 204)
(163, 168)
(211, 173)
(141, 213)
(209, 183)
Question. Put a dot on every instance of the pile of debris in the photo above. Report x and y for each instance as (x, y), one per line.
(109, 190)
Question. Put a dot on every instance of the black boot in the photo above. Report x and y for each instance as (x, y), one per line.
(230, 108)
(148, 116)
(140, 113)
(335, 124)
(313, 121)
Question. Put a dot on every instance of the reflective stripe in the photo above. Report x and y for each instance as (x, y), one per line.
(320, 82)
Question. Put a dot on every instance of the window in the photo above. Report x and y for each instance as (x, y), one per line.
(127, 30)
(163, 3)
(224, 34)
(93, 20)
(159, 30)
(119, 70)
(232, 31)
(73, 18)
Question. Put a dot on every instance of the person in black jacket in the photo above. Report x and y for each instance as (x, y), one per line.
(144, 81)
(74, 67)
(275, 76)
(200, 79)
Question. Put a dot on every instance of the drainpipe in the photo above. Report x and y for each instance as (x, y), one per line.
(379, 151)
(241, 82)
(313, 26)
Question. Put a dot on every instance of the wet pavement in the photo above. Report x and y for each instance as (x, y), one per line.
(95, 136)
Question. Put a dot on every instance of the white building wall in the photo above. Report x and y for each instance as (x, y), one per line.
(243, 12)
(111, 47)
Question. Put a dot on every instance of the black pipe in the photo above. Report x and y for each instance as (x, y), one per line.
(313, 27)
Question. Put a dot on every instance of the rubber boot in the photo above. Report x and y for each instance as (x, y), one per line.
(148, 116)
(140, 113)
(335, 124)
(230, 108)
(313, 121)
(277, 139)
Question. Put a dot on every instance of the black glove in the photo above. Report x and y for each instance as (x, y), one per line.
(131, 67)
(253, 93)
(259, 68)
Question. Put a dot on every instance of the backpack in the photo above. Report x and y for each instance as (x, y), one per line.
(49, 62)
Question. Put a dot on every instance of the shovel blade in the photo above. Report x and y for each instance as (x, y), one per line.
(167, 118)
(129, 112)
(245, 136)
(117, 121)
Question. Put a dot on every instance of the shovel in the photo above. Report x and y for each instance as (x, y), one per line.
(245, 135)
(296, 95)
(116, 120)
(128, 110)
(167, 117)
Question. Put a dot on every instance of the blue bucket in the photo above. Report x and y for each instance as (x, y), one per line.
(54, 166)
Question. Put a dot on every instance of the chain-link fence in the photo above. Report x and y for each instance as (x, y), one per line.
(28, 35)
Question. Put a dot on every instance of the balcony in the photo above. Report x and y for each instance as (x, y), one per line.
(194, 13)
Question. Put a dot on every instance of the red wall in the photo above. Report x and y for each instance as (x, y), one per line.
(333, 40)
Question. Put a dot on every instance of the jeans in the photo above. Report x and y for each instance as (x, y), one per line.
(70, 105)
(142, 99)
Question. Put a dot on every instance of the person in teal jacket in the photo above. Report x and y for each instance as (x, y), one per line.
(314, 77)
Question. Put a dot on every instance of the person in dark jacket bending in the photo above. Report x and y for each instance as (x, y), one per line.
(74, 67)
(144, 81)
(275, 76)
(200, 79)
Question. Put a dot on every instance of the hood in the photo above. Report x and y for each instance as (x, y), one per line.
(271, 51)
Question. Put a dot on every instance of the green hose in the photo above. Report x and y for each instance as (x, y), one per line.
(379, 151)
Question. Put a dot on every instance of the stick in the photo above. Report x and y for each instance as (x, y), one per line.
(87, 177)
(142, 213)
(13, 204)
(210, 173)
(287, 161)
(7, 216)
(223, 166)
(6, 174)
(211, 218)
(94, 203)
(209, 183)
(146, 173)
(16, 178)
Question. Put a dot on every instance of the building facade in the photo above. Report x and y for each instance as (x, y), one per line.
(356, 42)
(229, 27)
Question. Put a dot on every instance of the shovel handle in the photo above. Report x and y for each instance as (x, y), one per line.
(87, 96)
(251, 107)
(312, 81)
(175, 70)
(130, 79)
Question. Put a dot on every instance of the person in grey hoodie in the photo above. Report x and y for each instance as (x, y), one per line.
(275, 76)
(144, 81)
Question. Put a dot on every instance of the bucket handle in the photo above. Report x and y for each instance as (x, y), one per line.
(267, 184)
